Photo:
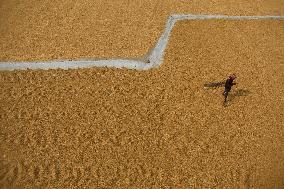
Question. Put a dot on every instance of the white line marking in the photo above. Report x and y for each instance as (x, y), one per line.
(155, 57)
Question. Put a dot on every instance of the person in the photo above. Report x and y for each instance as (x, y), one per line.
(228, 85)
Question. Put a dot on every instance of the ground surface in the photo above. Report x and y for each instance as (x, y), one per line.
(113, 128)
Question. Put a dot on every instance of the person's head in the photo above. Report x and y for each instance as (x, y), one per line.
(232, 76)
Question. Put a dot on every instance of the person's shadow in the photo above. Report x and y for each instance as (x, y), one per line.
(240, 92)
(235, 94)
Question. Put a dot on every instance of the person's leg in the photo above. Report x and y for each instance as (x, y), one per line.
(225, 95)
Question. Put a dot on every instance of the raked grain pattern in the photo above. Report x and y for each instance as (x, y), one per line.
(119, 128)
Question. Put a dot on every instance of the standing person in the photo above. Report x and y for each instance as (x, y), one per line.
(228, 85)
